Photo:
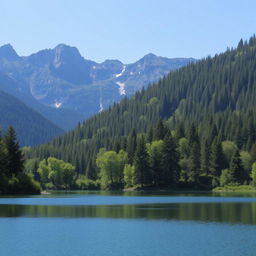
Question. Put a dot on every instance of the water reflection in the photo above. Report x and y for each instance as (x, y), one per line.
(244, 213)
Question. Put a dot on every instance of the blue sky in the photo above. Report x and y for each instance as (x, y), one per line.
(127, 29)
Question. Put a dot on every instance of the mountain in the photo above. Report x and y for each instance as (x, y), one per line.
(59, 82)
(64, 118)
(216, 94)
(31, 127)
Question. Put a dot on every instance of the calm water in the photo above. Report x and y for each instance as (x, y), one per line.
(104, 224)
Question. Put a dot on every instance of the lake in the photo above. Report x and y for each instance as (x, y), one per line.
(128, 223)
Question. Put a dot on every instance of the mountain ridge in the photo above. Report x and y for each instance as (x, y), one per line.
(61, 78)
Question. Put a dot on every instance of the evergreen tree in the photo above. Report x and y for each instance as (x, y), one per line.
(160, 130)
(193, 137)
(3, 158)
(141, 164)
(165, 108)
(217, 160)
(15, 160)
(131, 145)
(170, 160)
(180, 131)
(150, 135)
(253, 153)
(236, 168)
(194, 168)
(205, 157)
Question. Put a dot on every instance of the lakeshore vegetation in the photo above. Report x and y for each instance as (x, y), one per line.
(13, 179)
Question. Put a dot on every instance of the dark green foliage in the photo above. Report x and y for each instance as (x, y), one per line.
(13, 179)
(194, 164)
(253, 153)
(160, 131)
(193, 137)
(205, 157)
(141, 164)
(150, 135)
(170, 160)
(217, 159)
(14, 160)
(180, 131)
(236, 168)
(3, 158)
(131, 145)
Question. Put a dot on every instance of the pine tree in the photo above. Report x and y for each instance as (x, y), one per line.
(193, 135)
(205, 157)
(253, 153)
(131, 145)
(141, 164)
(236, 168)
(180, 131)
(160, 130)
(194, 168)
(3, 157)
(150, 135)
(165, 108)
(170, 161)
(217, 159)
(15, 160)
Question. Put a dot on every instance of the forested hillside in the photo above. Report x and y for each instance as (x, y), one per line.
(214, 98)
(31, 127)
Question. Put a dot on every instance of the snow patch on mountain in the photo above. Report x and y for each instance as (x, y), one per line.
(57, 104)
(120, 74)
(121, 88)
(101, 108)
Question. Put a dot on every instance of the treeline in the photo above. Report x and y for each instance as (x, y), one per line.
(13, 179)
(216, 94)
(161, 158)
(175, 159)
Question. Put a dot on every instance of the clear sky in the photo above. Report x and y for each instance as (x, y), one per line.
(127, 29)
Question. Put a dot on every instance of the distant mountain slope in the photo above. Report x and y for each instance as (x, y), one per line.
(64, 118)
(217, 94)
(31, 127)
(61, 78)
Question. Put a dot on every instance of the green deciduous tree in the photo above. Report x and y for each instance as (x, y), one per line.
(155, 151)
(253, 174)
(226, 177)
(111, 165)
(129, 176)
(229, 148)
(61, 174)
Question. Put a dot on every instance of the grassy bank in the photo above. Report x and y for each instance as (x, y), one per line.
(241, 188)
